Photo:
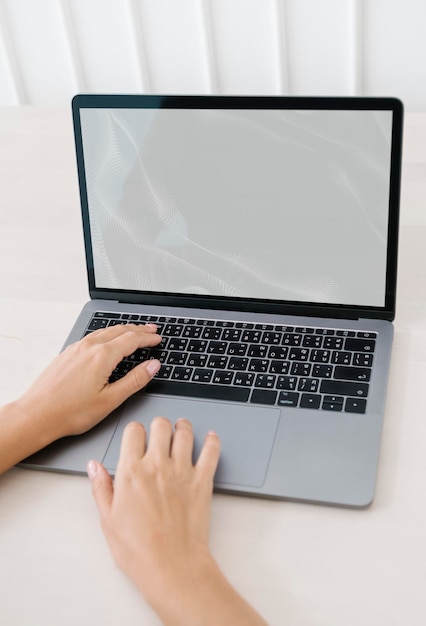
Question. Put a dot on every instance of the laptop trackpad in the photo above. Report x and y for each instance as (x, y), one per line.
(246, 432)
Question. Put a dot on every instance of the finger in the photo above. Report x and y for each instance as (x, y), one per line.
(110, 353)
(160, 438)
(103, 335)
(183, 443)
(132, 382)
(133, 442)
(209, 456)
(129, 341)
(102, 488)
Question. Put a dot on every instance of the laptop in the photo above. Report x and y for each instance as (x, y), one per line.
(260, 234)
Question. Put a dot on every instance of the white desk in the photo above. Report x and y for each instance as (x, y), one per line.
(298, 564)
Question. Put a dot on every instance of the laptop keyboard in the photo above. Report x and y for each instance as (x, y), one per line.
(271, 364)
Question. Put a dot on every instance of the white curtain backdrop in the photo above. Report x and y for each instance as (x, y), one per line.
(52, 49)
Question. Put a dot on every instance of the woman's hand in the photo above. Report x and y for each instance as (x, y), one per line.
(74, 393)
(155, 517)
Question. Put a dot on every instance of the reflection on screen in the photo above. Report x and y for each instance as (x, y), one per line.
(271, 204)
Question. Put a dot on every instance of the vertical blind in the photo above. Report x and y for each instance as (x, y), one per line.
(52, 49)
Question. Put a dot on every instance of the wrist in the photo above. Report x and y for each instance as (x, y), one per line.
(24, 430)
(199, 593)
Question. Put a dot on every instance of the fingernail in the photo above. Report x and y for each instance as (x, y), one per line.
(92, 469)
(153, 367)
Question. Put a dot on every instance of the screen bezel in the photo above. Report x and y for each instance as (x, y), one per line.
(132, 101)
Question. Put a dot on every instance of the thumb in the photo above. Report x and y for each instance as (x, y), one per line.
(135, 380)
(102, 488)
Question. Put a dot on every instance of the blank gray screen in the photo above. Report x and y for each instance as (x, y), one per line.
(270, 204)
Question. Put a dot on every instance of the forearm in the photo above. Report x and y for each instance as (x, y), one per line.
(22, 432)
(204, 597)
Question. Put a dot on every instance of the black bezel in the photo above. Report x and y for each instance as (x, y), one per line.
(250, 102)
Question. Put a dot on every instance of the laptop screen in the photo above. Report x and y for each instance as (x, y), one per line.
(270, 204)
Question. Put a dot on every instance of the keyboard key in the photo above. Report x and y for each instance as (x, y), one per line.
(258, 365)
(291, 339)
(172, 330)
(277, 352)
(312, 341)
(197, 360)
(332, 406)
(149, 318)
(284, 329)
(192, 332)
(299, 369)
(288, 398)
(298, 354)
(223, 377)
(165, 371)
(308, 384)
(202, 375)
(239, 349)
(198, 390)
(211, 332)
(217, 361)
(108, 315)
(333, 343)
(264, 326)
(272, 338)
(322, 371)
(345, 333)
(238, 363)
(244, 325)
(177, 344)
(177, 358)
(97, 323)
(341, 358)
(287, 382)
(352, 373)
(362, 359)
(251, 336)
(343, 388)
(244, 379)
(355, 405)
(217, 347)
(263, 396)
(231, 334)
(334, 399)
(182, 373)
(281, 367)
(360, 345)
(320, 356)
(266, 381)
(257, 350)
(197, 345)
(310, 401)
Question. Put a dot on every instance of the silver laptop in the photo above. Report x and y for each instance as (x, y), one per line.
(260, 234)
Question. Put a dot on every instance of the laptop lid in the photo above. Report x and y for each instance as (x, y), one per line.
(269, 204)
